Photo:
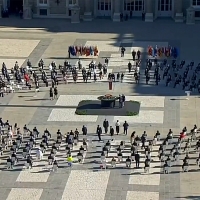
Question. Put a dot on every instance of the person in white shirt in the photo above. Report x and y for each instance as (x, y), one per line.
(117, 126)
(50, 67)
(39, 154)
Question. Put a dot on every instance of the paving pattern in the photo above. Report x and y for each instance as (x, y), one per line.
(87, 181)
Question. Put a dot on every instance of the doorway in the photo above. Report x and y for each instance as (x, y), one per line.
(14, 6)
(104, 8)
(165, 8)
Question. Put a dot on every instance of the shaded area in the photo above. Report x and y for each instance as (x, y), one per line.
(189, 197)
(88, 107)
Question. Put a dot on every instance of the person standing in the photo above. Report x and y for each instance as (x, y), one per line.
(117, 127)
(137, 159)
(125, 125)
(112, 132)
(55, 93)
(122, 51)
(99, 132)
(51, 94)
(105, 126)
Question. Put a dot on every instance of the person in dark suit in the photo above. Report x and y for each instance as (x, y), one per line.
(137, 159)
(99, 132)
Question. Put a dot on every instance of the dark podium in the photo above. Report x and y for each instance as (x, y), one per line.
(108, 101)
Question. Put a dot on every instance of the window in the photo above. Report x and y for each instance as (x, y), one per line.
(43, 12)
(72, 2)
(196, 2)
(134, 5)
(197, 14)
(43, 2)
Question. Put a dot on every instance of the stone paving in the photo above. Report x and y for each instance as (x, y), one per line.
(158, 112)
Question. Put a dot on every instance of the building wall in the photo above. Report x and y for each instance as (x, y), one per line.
(61, 10)
(55, 8)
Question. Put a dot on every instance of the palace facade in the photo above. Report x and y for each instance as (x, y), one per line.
(89, 9)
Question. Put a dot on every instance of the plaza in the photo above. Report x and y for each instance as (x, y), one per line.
(161, 108)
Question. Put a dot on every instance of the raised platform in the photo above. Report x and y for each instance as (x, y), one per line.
(92, 107)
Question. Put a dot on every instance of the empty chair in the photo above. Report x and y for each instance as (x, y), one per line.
(50, 159)
(75, 140)
(9, 165)
(27, 165)
(103, 156)
(155, 141)
(120, 157)
(122, 145)
(166, 168)
(185, 168)
(55, 166)
(113, 162)
(169, 162)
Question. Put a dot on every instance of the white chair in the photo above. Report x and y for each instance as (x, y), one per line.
(71, 137)
(13, 160)
(54, 151)
(11, 89)
(54, 168)
(128, 164)
(185, 168)
(103, 164)
(57, 145)
(75, 141)
(146, 169)
(70, 146)
(9, 165)
(169, 163)
(19, 87)
(103, 158)
(50, 161)
(120, 159)
(166, 170)
(27, 165)
(24, 154)
(113, 163)
(85, 146)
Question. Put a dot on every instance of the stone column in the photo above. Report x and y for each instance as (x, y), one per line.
(116, 15)
(87, 10)
(179, 11)
(75, 18)
(190, 19)
(27, 11)
(149, 11)
(0, 10)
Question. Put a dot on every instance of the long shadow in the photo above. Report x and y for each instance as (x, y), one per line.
(189, 197)
(37, 100)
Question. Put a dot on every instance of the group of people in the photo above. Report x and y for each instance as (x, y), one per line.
(168, 51)
(19, 145)
(170, 153)
(82, 51)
